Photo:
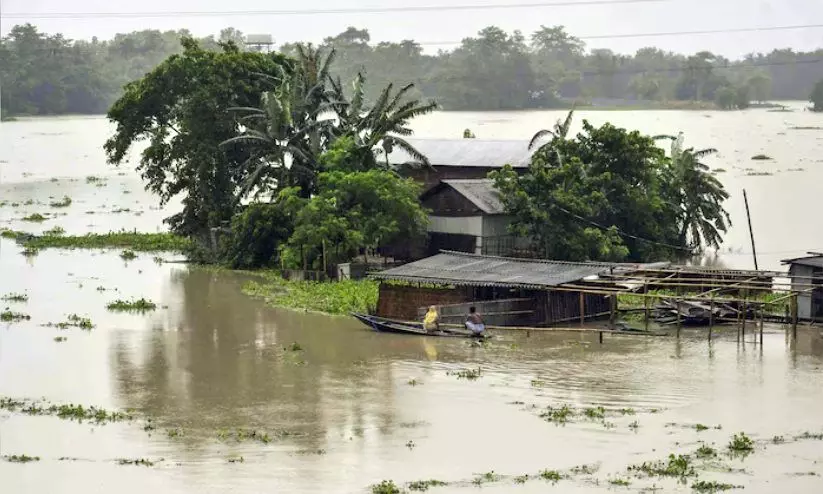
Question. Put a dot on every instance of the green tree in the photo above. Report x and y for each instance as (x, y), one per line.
(357, 211)
(726, 98)
(816, 97)
(760, 86)
(608, 195)
(180, 108)
(699, 195)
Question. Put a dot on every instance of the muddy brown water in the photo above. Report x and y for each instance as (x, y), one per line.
(341, 411)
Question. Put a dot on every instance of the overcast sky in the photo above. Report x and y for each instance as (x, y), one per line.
(443, 26)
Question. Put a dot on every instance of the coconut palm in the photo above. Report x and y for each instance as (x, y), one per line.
(699, 195)
(559, 132)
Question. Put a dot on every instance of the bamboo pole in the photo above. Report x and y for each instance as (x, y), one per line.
(678, 319)
(582, 308)
(761, 326)
(794, 316)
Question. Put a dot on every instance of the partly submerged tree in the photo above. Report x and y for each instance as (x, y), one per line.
(180, 108)
(699, 195)
(817, 97)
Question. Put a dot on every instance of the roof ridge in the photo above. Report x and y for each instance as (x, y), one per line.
(542, 261)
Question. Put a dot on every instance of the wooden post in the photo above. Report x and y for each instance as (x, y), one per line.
(678, 318)
(794, 316)
(761, 324)
(711, 317)
(744, 315)
(612, 309)
(582, 309)
(646, 307)
(601, 337)
(751, 232)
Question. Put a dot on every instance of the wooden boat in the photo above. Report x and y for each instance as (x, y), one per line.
(384, 325)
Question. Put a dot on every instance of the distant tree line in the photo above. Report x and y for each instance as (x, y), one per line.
(45, 74)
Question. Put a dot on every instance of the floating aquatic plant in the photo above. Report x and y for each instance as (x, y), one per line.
(705, 451)
(73, 320)
(676, 466)
(558, 415)
(60, 339)
(595, 413)
(56, 231)
(235, 459)
(15, 297)
(424, 485)
(35, 218)
(385, 487)
(521, 479)
(21, 458)
(139, 305)
(741, 443)
(137, 462)
(551, 475)
(469, 374)
(620, 482)
(761, 157)
(62, 203)
(9, 316)
(712, 486)
(128, 255)
(414, 382)
(485, 478)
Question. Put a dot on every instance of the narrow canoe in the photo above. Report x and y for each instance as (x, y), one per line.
(384, 325)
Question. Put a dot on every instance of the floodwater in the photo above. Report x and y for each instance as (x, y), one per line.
(352, 408)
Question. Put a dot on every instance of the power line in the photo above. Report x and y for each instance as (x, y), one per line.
(354, 10)
(669, 33)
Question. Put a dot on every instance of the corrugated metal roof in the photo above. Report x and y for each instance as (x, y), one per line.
(480, 192)
(457, 268)
(813, 261)
(467, 152)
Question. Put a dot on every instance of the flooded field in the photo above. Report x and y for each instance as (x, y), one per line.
(224, 393)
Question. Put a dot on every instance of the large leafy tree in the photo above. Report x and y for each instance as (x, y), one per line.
(180, 108)
(603, 194)
(702, 220)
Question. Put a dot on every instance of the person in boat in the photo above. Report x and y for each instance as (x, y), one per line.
(431, 322)
(474, 322)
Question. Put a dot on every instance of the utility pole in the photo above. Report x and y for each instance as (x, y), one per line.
(751, 233)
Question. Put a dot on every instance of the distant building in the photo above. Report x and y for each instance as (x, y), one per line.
(461, 158)
(806, 274)
(467, 215)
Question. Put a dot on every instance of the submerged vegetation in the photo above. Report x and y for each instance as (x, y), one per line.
(21, 458)
(79, 413)
(73, 320)
(676, 466)
(62, 203)
(341, 297)
(468, 374)
(15, 297)
(9, 316)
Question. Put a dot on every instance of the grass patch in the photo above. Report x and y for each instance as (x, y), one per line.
(385, 487)
(339, 297)
(141, 242)
(56, 231)
(34, 218)
(21, 458)
(138, 305)
(521, 479)
(712, 486)
(424, 485)
(9, 316)
(741, 443)
(128, 255)
(60, 339)
(677, 466)
(761, 157)
(62, 203)
(15, 297)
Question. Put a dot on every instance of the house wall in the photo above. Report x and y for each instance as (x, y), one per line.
(448, 202)
(467, 225)
(804, 300)
(401, 301)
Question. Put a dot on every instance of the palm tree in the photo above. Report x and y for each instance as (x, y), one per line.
(383, 126)
(559, 132)
(699, 196)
